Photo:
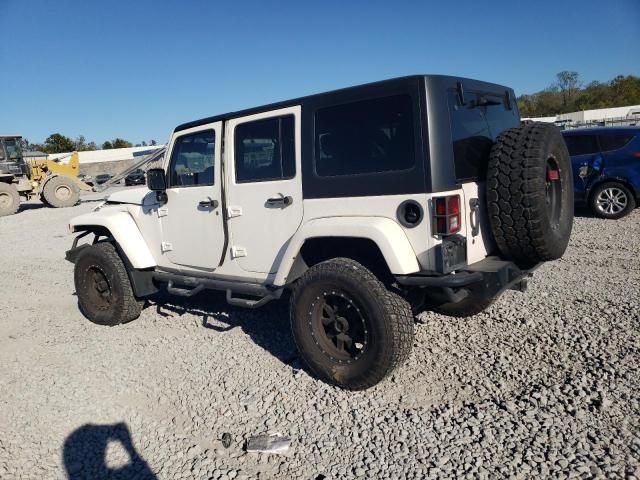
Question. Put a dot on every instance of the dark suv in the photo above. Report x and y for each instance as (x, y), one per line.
(606, 168)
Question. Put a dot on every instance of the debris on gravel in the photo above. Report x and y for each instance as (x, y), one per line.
(545, 383)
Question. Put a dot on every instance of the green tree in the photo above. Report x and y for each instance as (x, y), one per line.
(57, 143)
(120, 143)
(107, 145)
(567, 83)
(82, 145)
(566, 95)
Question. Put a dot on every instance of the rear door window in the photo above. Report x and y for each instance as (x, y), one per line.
(610, 142)
(581, 144)
(474, 127)
(265, 150)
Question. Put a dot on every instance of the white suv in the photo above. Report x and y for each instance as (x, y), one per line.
(370, 204)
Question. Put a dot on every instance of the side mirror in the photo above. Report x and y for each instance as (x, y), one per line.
(156, 180)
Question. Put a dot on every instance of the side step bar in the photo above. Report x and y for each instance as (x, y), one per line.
(189, 286)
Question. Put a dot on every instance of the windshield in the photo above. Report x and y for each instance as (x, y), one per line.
(474, 128)
(13, 150)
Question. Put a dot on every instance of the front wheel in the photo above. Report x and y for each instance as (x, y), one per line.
(350, 330)
(612, 200)
(103, 287)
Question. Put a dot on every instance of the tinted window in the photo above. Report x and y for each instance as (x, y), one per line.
(365, 137)
(192, 160)
(613, 142)
(474, 128)
(581, 144)
(265, 150)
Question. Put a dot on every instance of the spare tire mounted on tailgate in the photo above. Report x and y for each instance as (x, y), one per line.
(530, 194)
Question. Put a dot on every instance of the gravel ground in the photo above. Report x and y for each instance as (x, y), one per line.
(542, 384)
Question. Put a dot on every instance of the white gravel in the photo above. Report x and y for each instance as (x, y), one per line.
(542, 384)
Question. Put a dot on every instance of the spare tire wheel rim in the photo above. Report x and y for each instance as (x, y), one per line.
(63, 192)
(611, 201)
(553, 192)
(338, 326)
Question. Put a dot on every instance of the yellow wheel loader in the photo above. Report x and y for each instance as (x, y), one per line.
(54, 181)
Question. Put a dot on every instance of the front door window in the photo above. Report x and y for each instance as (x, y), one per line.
(192, 160)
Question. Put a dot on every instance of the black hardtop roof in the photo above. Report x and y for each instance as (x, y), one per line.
(299, 100)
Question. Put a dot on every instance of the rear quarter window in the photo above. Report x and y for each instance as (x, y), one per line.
(364, 137)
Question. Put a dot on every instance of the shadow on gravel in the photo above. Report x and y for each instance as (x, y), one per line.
(268, 326)
(583, 212)
(85, 454)
(31, 206)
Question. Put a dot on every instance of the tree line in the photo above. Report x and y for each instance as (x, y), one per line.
(568, 94)
(58, 143)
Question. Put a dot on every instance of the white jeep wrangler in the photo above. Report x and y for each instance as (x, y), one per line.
(370, 204)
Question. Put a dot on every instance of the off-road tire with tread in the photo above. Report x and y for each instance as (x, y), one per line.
(388, 315)
(104, 259)
(527, 228)
(9, 199)
(631, 201)
(56, 184)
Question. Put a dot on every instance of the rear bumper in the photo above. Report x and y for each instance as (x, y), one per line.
(491, 276)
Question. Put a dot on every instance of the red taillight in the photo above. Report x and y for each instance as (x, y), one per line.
(636, 154)
(453, 205)
(447, 217)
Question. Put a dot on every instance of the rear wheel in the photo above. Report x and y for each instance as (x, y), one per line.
(350, 330)
(103, 287)
(612, 200)
(9, 199)
(60, 192)
(530, 194)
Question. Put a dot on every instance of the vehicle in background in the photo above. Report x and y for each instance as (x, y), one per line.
(606, 169)
(137, 177)
(54, 182)
(102, 178)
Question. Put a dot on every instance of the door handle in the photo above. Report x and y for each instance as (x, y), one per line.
(281, 201)
(209, 203)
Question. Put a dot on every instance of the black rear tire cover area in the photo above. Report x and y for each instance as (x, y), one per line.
(526, 230)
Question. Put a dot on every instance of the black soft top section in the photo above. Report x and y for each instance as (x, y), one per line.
(361, 89)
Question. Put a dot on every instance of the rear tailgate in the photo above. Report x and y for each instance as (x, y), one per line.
(478, 114)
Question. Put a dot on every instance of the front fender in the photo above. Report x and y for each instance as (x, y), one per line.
(124, 231)
(387, 235)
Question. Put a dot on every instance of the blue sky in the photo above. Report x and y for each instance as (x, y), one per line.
(137, 68)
